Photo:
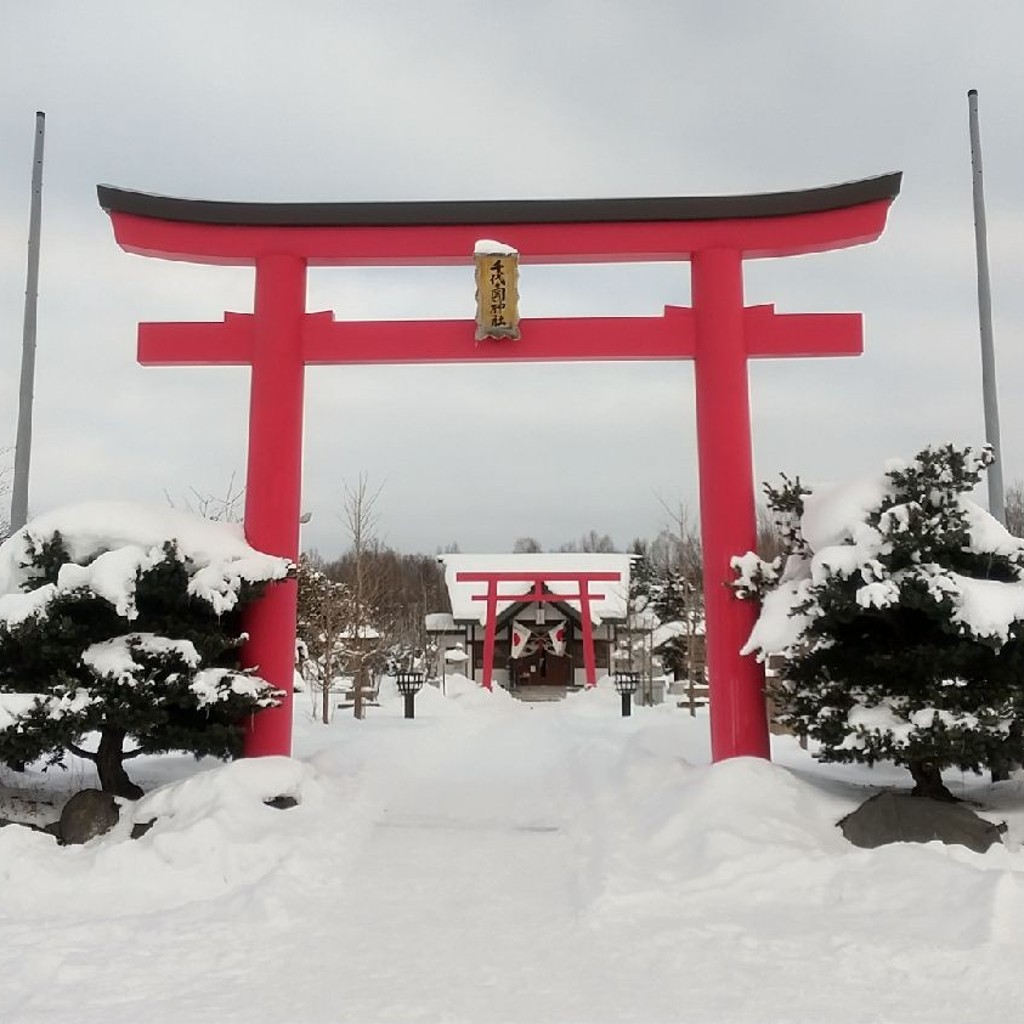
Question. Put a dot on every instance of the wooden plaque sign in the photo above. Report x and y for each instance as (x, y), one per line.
(497, 291)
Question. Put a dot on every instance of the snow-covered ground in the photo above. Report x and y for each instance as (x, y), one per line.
(496, 861)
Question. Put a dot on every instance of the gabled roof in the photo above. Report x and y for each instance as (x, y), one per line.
(555, 610)
(612, 604)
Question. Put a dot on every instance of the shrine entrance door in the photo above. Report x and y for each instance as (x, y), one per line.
(542, 668)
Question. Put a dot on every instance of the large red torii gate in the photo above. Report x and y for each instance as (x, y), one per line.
(278, 339)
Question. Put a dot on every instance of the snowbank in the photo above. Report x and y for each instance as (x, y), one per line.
(499, 861)
(509, 862)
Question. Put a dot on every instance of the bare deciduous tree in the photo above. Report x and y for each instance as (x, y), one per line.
(6, 454)
(225, 509)
(366, 641)
(770, 541)
(591, 541)
(320, 625)
(526, 546)
(1014, 508)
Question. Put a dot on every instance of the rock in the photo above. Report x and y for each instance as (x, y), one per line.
(88, 814)
(140, 828)
(901, 818)
(282, 803)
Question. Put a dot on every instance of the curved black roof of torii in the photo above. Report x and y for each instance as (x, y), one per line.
(500, 211)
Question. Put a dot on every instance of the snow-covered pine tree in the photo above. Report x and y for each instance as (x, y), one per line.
(641, 575)
(673, 601)
(899, 618)
(633, 646)
(119, 633)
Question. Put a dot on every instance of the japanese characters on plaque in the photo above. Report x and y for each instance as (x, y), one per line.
(497, 290)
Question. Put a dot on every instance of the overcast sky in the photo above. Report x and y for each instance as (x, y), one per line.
(344, 100)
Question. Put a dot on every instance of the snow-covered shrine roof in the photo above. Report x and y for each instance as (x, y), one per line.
(440, 622)
(612, 604)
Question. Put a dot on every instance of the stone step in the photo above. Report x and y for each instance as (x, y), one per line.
(539, 693)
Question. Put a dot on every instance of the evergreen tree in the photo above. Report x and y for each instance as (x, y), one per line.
(899, 614)
(125, 643)
(672, 599)
(642, 576)
(633, 649)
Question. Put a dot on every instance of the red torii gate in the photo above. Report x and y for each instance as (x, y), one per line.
(535, 594)
(278, 339)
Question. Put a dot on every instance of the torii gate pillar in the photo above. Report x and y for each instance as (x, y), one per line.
(716, 234)
(727, 502)
(273, 486)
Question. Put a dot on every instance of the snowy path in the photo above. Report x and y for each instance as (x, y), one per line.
(541, 864)
(463, 850)
(491, 844)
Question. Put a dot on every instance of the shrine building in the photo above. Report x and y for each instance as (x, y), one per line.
(532, 619)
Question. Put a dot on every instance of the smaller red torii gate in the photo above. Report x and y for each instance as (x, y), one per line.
(538, 579)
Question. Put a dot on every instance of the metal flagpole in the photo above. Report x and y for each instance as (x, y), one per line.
(23, 446)
(988, 358)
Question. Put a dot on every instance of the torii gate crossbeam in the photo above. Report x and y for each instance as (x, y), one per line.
(714, 234)
(583, 597)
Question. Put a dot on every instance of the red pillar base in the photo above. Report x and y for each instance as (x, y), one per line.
(270, 622)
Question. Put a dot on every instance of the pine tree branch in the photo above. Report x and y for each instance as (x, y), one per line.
(129, 754)
(81, 752)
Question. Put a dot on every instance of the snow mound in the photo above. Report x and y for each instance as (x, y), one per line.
(741, 809)
(463, 694)
(212, 834)
(428, 855)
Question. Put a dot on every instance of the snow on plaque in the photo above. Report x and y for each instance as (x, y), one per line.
(497, 290)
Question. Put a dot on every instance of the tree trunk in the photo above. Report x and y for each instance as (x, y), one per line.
(328, 674)
(358, 710)
(110, 767)
(326, 679)
(928, 782)
(999, 763)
